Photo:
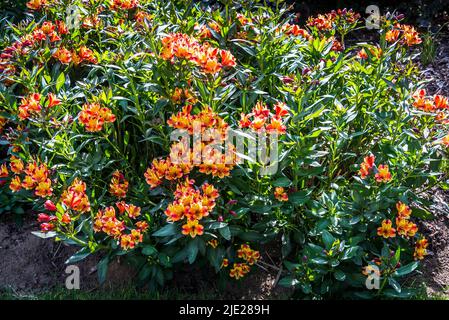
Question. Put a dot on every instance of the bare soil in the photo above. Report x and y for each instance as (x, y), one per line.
(31, 265)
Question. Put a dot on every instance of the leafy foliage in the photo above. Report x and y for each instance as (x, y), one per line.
(87, 112)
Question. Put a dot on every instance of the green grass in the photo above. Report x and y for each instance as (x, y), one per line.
(422, 294)
(123, 294)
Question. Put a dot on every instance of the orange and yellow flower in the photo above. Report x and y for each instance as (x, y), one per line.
(93, 116)
(192, 228)
(383, 174)
(421, 249)
(386, 230)
(280, 194)
(119, 185)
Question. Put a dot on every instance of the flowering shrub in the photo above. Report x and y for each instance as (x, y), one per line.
(89, 102)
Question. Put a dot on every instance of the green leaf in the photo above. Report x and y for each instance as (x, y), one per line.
(225, 233)
(298, 198)
(192, 250)
(149, 250)
(79, 256)
(44, 235)
(393, 283)
(102, 269)
(60, 81)
(339, 275)
(282, 182)
(168, 230)
(288, 282)
(402, 271)
(422, 214)
(328, 239)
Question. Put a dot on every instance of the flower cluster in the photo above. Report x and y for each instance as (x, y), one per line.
(206, 156)
(249, 255)
(75, 197)
(37, 177)
(32, 104)
(437, 103)
(280, 194)
(383, 172)
(36, 4)
(325, 22)
(107, 221)
(295, 30)
(193, 205)
(409, 36)
(119, 185)
(404, 227)
(261, 119)
(124, 4)
(239, 270)
(210, 60)
(204, 31)
(93, 116)
(83, 54)
(183, 96)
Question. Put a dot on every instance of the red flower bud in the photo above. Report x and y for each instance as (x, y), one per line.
(42, 217)
(49, 205)
(45, 227)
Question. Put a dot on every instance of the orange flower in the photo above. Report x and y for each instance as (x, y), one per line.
(404, 211)
(213, 243)
(225, 263)
(249, 255)
(440, 102)
(227, 59)
(383, 174)
(65, 218)
(53, 100)
(362, 54)
(107, 222)
(392, 35)
(43, 189)
(142, 226)
(386, 230)
(132, 211)
(276, 126)
(280, 194)
(321, 22)
(3, 171)
(63, 55)
(124, 4)
(126, 242)
(36, 4)
(192, 228)
(239, 270)
(421, 249)
(366, 166)
(15, 184)
(119, 185)
(445, 140)
(183, 46)
(93, 116)
(152, 178)
(410, 36)
(29, 105)
(62, 28)
(75, 197)
(244, 122)
(85, 54)
(405, 227)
